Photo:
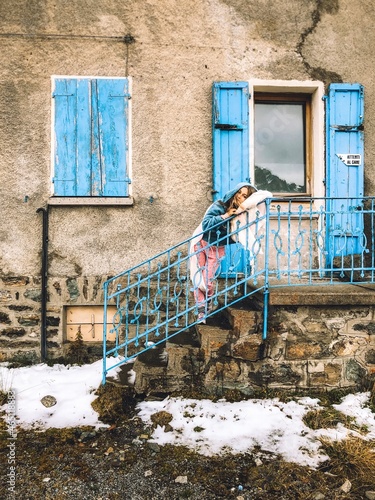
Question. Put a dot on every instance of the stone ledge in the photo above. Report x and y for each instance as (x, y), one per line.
(323, 295)
(72, 201)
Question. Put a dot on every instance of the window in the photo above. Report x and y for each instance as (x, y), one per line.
(271, 133)
(282, 142)
(287, 137)
(91, 137)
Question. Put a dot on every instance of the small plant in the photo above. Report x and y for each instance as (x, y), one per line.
(198, 429)
(77, 350)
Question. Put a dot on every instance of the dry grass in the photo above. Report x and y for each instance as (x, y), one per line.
(372, 398)
(327, 418)
(3, 397)
(353, 458)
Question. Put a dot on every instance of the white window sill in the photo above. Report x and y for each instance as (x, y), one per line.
(89, 200)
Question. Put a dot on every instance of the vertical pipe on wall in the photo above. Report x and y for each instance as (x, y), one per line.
(44, 273)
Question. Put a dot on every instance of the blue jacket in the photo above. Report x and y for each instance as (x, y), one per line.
(213, 217)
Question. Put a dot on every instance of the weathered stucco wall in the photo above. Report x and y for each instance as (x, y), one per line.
(179, 50)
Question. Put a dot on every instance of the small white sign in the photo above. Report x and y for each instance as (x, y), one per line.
(350, 159)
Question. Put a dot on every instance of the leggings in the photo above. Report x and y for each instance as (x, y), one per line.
(208, 262)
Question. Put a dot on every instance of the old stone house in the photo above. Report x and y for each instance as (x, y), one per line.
(122, 121)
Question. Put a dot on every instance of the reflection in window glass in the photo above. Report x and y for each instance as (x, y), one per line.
(280, 164)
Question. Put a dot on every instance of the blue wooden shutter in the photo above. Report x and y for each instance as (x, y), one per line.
(230, 152)
(230, 135)
(110, 98)
(344, 168)
(72, 161)
(91, 137)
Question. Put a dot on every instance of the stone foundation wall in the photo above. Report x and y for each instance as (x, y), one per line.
(307, 347)
(20, 313)
(20, 316)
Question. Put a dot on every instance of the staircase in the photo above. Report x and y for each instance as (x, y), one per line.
(154, 301)
(155, 331)
(198, 358)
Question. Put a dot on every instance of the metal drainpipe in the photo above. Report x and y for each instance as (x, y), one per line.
(43, 332)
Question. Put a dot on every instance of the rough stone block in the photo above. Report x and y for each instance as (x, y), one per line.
(273, 374)
(52, 321)
(181, 359)
(314, 326)
(29, 320)
(336, 325)
(146, 374)
(13, 332)
(360, 328)
(213, 339)
(354, 371)
(315, 366)
(34, 295)
(303, 350)
(244, 322)
(16, 280)
(4, 318)
(348, 347)
(19, 344)
(248, 348)
(370, 357)
(330, 375)
(5, 296)
(222, 372)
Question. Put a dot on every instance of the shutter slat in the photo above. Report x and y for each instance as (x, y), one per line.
(84, 126)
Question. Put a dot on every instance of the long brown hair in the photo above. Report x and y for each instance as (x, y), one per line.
(231, 203)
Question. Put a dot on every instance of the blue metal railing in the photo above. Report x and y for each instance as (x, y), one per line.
(289, 242)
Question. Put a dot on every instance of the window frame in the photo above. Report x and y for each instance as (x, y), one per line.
(313, 92)
(60, 199)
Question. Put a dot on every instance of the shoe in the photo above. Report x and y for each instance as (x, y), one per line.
(201, 318)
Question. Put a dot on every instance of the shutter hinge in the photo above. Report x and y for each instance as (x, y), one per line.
(228, 126)
(54, 94)
(120, 95)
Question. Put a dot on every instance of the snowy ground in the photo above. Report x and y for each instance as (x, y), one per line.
(205, 426)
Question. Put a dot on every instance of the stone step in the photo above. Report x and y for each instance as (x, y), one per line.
(213, 340)
(244, 321)
(174, 365)
(125, 377)
(155, 356)
(188, 337)
(216, 342)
